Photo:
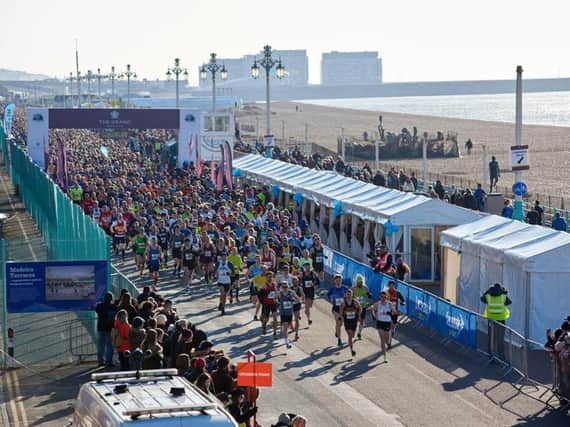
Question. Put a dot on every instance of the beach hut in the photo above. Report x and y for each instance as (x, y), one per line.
(530, 261)
(352, 216)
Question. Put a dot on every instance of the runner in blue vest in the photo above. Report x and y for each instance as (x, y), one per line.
(286, 300)
(335, 296)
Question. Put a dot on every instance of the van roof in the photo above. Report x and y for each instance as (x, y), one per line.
(151, 396)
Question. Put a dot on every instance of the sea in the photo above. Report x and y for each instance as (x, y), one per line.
(539, 108)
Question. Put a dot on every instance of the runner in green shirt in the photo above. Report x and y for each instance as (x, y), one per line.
(361, 294)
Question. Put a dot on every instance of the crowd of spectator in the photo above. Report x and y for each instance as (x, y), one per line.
(558, 345)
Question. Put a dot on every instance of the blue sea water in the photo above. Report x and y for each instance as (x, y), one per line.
(539, 108)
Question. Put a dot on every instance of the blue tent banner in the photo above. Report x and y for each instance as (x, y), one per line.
(33, 287)
(451, 321)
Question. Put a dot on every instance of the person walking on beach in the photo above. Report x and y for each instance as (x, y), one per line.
(469, 146)
(494, 173)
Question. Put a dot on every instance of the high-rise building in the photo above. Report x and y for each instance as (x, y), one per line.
(351, 68)
(296, 65)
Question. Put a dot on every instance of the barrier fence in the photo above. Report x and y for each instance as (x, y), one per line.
(456, 324)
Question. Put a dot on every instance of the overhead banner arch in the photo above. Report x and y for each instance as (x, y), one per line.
(189, 122)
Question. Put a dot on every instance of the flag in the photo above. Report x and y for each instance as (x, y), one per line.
(105, 151)
(8, 116)
(198, 155)
(227, 153)
(213, 172)
(190, 150)
(61, 165)
(220, 175)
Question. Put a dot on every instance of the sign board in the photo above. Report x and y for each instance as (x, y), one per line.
(519, 189)
(519, 157)
(269, 142)
(254, 374)
(33, 287)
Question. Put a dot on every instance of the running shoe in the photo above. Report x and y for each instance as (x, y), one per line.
(255, 318)
(359, 336)
(339, 342)
(310, 322)
(289, 345)
(353, 353)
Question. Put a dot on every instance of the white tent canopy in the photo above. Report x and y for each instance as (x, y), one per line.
(366, 208)
(366, 201)
(531, 262)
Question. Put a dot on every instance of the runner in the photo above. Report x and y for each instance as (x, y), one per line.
(176, 242)
(395, 298)
(268, 295)
(223, 274)
(257, 279)
(207, 257)
(350, 312)
(237, 262)
(298, 290)
(153, 260)
(335, 296)
(119, 231)
(318, 257)
(382, 311)
(309, 281)
(363, 296)
(141, 242)
(188, 255)
(286, 299)
(163, 239)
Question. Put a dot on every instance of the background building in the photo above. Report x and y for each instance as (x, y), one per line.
(296, 65)
(351, 68)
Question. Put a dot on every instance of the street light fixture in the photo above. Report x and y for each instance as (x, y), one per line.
(213, 67)
(128, 75)
(112, 75)
(99, 77)
(73, 78)
(89, 76)
(177, 71)
(267, 62)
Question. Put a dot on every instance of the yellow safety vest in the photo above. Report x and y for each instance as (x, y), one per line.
(496, 308)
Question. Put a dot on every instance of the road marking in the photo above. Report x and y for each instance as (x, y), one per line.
(33, 252)
(457, 396)
(20, 399)
(10, 394)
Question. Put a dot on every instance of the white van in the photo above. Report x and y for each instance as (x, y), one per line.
(146, 398)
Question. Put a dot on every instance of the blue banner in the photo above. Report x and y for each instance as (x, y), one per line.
(33, 287)
(8, 117)
(451, 321)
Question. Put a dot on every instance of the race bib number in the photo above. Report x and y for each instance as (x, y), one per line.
(207, 253)
(350, 315)
(338, 301)
(360, 299)
(308, 284)
(319, 259)
(271, 295)
(287, 305)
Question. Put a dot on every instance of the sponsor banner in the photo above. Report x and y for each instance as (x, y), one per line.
(188, 136)
(254, 374)
(113, 118)
(33, 287)
(38, 135)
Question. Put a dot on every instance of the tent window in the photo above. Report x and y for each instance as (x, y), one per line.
(421, 251)
(360, 231)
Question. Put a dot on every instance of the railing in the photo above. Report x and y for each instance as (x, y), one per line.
(119, 282)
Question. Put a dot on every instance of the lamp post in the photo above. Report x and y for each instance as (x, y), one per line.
(99, 77)
(177, 70)
(113, 76)
(89, 76)
(128, 74)
(213, 67)
(518, 213)
(267, 62)
(73, 78)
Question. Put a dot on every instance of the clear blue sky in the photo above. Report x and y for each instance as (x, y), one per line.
(417, 39)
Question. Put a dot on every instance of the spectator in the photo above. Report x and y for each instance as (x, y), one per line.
(152, 350)
(558, 222)
(106, 312)
(439, 190)
(238, 409)
(122, 326)
(204, 383)
(539, 212)
(480, 197)
(137, 333)
(507, 211)
(222, 378)
(197, 368)
(494, 173)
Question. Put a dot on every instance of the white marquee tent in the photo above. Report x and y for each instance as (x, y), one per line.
(530, 261)
(366, 208)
